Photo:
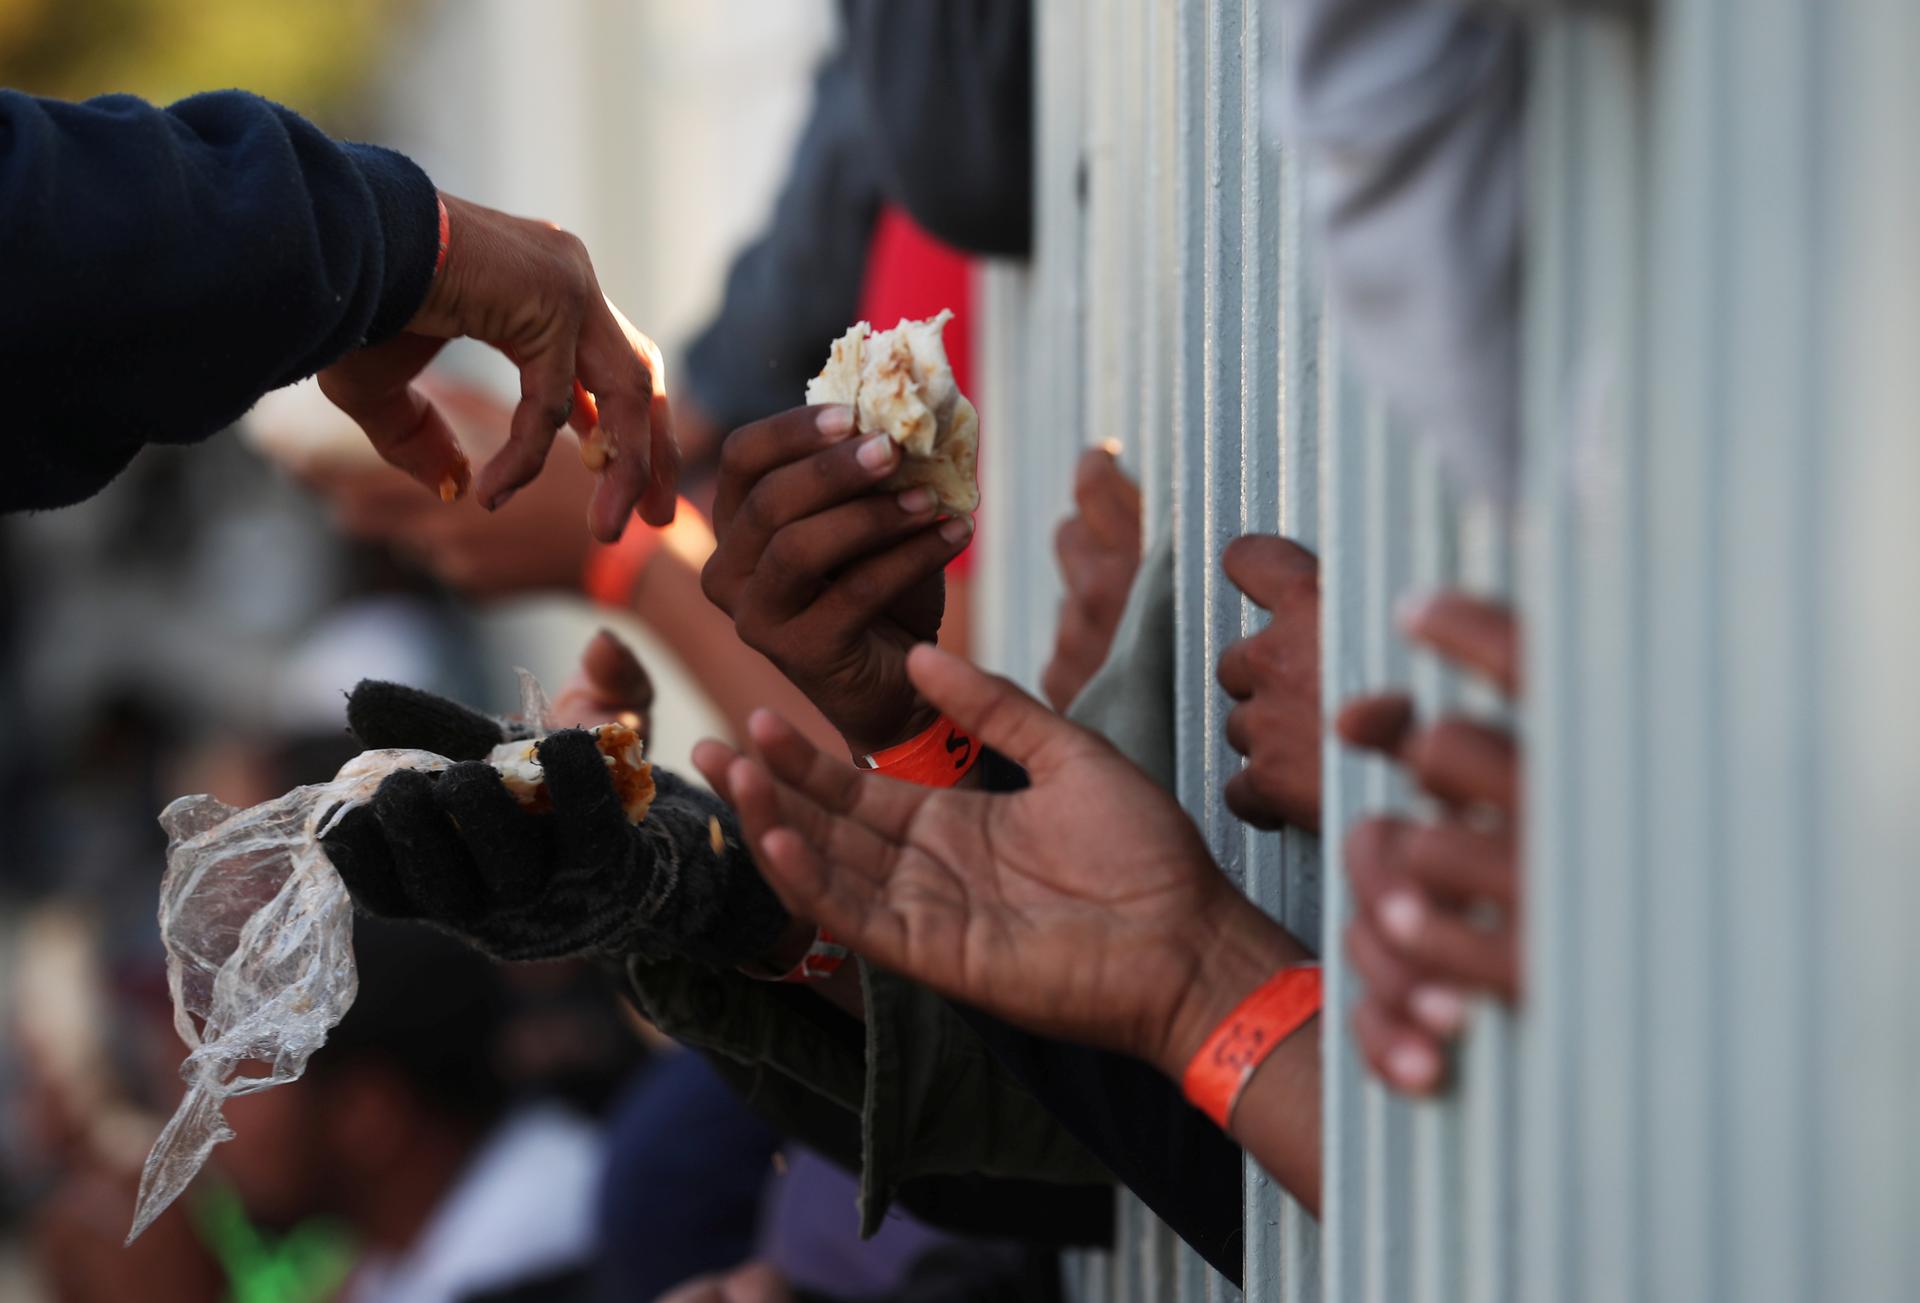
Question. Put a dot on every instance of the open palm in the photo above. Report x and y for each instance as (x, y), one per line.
(1083, 906)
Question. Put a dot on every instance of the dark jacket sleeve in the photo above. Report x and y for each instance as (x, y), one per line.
(1127, 1114)
(792, 291)
(948, 90)
(163, 268)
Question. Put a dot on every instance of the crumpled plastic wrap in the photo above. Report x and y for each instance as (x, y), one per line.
(258, 930)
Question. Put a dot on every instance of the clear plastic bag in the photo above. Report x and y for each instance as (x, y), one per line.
(258, 930)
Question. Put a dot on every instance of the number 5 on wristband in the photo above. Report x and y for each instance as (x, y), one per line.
(940, 757)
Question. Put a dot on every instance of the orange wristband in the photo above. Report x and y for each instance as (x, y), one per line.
(939, 757)
(1278, 1007)
(613, 569)
(440, 259)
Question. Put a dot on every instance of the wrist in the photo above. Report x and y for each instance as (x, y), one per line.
(1237, 947)
(868, 740)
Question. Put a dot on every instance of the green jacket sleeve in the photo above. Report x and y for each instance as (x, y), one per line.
(913, 1094)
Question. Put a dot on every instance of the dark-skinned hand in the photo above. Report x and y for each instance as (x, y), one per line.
(1098, 547)
(1274, 676)
(1437, 900)
(828, 577)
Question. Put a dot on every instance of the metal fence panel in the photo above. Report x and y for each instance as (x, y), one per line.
(1709, 1094)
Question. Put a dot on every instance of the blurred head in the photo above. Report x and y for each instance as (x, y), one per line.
(405, 1087)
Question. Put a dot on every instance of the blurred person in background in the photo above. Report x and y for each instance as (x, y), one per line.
(916, 156)
(404, 1131)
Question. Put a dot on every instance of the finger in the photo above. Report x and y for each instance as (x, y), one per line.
(1240, 728)
(360, 855)
(1463, 761)
(752, 451)
(1108, 500)
(1468, 863)
(711, 757)
(835, 836)
(807, 882)
(615, 674)
(1372, 854)
(1400, 1054)
(1445, 945)
(1386, 978)
(864, 591)
(546, 404)
(392, 715)
(1236, 669)
(1248, 803)
(1382, 722)
(508, 845)
(1480, 635)
(799, 558)
(881, 804)
(1269, 569)
(429, 859)
(374, 387)
(628, 377)
(1079, 554)
(994, 711)
(804, 488)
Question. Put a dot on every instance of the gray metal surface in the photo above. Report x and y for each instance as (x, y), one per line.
(1710, 1094)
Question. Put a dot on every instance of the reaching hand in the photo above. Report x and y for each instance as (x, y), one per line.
(1086, 906)
(1274, 675)
(1436, 901)
(528, 289)
(829, 579)
(454, 847)
(1099, 551)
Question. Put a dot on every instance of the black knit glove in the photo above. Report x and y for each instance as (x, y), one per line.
(455, 849)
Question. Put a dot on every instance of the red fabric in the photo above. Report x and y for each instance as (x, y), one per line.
(911, 275)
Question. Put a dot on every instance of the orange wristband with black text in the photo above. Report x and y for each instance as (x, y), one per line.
(1278, 1007)
(939, 757)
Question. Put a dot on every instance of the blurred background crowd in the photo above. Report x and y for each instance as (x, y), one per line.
(194, 628)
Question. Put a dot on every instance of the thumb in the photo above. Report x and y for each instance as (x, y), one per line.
(993, 710)
(614, 674)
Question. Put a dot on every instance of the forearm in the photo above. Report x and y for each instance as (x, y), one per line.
(1277, 1118)
(171, 265)
(736, 678)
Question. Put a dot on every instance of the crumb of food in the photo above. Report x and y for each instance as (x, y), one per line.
(596, 449)
(715, 835)
(621, 749)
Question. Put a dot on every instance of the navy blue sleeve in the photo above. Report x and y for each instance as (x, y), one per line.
(948, 94)
(163, 268)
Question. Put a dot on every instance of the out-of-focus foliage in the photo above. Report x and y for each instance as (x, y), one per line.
(311, 54)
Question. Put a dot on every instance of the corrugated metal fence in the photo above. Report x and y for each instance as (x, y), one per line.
(1711, 1094)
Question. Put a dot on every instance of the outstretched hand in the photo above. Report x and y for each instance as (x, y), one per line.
(528, 289)
(1086, 906)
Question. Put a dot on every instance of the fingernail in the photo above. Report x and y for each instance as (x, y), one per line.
(501, 499)
(915, 501)
(1401, 914)
(1113, 448)
(957, 530)
(449, 488)
(1413, 1065)
(1411, 608)
(876, 454)
(1439, 1009)
(834, 422)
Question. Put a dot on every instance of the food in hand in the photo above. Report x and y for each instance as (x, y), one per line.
(620, 746)
(899, 383)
